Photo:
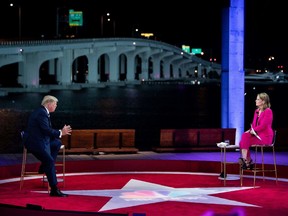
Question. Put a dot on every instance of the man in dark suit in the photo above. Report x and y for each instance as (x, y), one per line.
(44, 142)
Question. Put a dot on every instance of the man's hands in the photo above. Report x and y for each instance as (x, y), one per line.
(66, 130)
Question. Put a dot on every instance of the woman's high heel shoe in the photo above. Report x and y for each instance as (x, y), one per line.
(243, 164)
(246, 165)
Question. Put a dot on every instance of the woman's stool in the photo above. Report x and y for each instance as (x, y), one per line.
(259, 167)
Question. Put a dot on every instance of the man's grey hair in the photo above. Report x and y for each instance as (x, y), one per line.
(48, 99)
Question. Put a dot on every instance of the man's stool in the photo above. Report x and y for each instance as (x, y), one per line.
(25, 173)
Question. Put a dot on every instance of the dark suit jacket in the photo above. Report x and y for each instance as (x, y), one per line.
(39, 132)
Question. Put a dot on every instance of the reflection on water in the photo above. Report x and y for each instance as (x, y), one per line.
(146, 108)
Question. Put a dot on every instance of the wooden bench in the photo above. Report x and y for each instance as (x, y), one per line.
(185, 140)
(100, 140)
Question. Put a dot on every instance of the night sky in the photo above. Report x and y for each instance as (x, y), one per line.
(195, 23)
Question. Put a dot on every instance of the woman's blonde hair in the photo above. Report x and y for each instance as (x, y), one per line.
(265, 97)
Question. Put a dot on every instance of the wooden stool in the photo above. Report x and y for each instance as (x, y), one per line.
(62, 163)
(25, 173)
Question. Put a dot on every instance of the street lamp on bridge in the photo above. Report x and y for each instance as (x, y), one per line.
(107, 18)
(19, 20)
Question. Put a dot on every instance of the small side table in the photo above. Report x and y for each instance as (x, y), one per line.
(224, 146)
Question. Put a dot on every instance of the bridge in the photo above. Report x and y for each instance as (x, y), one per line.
(94, 61)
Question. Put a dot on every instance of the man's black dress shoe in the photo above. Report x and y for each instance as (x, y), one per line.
(57, 193)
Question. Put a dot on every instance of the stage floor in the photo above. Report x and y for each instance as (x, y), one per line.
(148, 183)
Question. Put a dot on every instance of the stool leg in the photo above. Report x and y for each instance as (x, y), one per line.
(63, 166)
(255, 168)
(24, 157)
(263, 166)
(43, 181)
(241, 175)
(64, 161)
(275, 166)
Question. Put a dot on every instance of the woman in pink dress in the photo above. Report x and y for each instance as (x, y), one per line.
(261, 126)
